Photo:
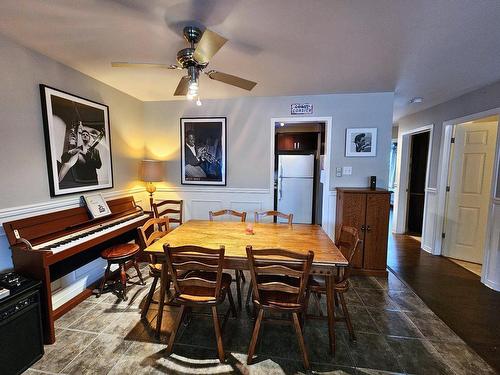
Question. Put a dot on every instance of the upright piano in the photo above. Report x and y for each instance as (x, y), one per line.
(49, 246)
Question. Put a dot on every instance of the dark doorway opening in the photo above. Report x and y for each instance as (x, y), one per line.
(416, 182)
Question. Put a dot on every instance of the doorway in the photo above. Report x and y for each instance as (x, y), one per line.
(299, 149)
(470, 177)
(419, 149)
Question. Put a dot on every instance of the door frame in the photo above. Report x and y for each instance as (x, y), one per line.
(443, 173)
(403, 166)
(327, 120)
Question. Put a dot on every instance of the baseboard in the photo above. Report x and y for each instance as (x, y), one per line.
(492, 285)
(427, 248)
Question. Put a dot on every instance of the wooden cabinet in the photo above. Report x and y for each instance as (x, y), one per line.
(297, 141)
(368, 211)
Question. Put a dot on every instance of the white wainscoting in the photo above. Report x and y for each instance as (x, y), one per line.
(76, 281)
(429, 224)
(491, 267)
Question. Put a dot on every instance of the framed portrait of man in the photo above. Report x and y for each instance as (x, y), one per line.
(361, 142)
(77, 142)
(203, 151)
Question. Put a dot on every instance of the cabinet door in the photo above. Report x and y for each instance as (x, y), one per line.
(376, 234)
(353, 215)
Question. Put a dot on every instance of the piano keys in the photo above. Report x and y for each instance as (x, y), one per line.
(47, 247)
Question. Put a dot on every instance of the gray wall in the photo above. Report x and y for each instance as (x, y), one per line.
(22, 155)
(23, 165)
(473, 102)
(249, 134)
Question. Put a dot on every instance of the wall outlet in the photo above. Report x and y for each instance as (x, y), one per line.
(338, 171)
(347, 171)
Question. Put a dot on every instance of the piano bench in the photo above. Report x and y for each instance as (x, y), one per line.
(120, 254)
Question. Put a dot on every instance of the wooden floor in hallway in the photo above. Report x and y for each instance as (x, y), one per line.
(453, 293)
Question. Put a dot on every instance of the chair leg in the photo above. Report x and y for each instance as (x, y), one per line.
(347, 316)
(218, 335)
(175, 328)
(103, 282)
(249, 295)
(136, 266)
(300, 337)
(255, 336)
(238, 287)
(123, 278)
(231, 303)
(163, 282)
(242, 275)
(336, 297)
(149, 298)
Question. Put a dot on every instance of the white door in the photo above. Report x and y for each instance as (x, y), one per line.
(471, 165)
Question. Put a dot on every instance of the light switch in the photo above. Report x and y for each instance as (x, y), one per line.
(347, 171)
(338, 171)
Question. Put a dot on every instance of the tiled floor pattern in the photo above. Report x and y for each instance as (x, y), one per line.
(396, 333)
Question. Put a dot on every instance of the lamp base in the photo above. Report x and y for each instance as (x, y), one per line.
(150, 188)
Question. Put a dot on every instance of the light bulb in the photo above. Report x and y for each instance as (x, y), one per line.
(198, 102)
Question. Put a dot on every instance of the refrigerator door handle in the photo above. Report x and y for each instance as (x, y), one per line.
(280, 183)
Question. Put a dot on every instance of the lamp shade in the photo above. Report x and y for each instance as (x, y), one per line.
(151, 170)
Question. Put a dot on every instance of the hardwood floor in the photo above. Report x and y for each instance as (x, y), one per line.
(454, 294)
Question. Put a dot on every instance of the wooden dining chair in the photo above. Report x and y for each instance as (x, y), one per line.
(169, 208)
(238, 274)
(196, 273)
(151, 231)
(279, 286)
(241, 215)
(260, 215)
(348, 243)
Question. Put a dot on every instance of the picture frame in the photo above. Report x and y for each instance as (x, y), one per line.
(361, 142)
(77, 142)
(96, 205)
(203, 151)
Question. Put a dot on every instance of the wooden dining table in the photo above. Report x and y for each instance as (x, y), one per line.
(235, 236)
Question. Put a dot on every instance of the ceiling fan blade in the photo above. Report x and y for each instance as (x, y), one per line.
(142, 65)
(231, 80)
(182, 87)
(208, 46)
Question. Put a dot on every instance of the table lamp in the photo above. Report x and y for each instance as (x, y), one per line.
(151, 171)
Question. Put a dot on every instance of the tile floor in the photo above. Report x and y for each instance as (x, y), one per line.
(396, 333)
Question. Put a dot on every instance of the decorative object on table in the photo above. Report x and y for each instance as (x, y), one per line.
(77, 142)
(151, 171)
(96, 205)
(373, 182)
(361, 142)
(194, 60)
(203, 151)
(249, 229)
(301, 109)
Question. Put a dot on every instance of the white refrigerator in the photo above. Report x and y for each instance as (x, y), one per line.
(296, 186)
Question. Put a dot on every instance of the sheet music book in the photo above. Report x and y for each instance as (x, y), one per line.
(96, 205)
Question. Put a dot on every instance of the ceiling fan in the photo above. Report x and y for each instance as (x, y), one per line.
(195, 59)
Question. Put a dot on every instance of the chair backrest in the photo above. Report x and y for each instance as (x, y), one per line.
(183, 260)
(260, 215)
(348, 243)
(241, 215)
(152, 230)
(170, 208)
(292, 267)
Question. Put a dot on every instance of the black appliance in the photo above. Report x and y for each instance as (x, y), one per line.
(373, 182)
(21, 339)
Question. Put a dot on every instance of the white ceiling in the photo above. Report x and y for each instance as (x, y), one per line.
(438, 49)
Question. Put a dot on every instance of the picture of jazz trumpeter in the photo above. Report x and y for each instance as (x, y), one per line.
(81, 159)
(203, 153)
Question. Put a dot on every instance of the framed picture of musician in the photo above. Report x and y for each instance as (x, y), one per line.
(203, 151)
(77, 142)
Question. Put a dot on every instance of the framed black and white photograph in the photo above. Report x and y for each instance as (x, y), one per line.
(77, 142)
(203, 151)
(361, 142)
